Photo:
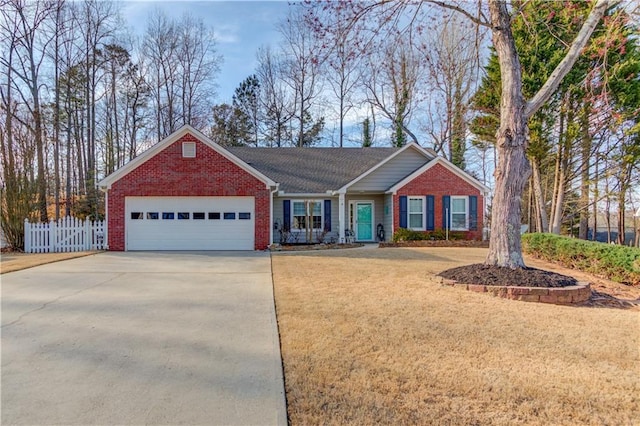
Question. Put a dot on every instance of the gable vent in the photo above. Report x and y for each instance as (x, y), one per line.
(188, 149)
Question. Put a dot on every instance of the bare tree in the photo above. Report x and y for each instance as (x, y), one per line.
(341, 59)
(182, 62)
(302, 71)
(17, 190)
(276, 101)
(391, 85)
(160, 47)
(199, 63)
(452, 56)
(96, 21)
(30, 44)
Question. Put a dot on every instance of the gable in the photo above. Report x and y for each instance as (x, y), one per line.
(169, 172)
(442, 172)
(392, 171)
(168, 156)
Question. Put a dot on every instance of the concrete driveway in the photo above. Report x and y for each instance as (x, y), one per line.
(142, 338)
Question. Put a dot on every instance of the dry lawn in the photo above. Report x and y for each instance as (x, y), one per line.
(371, 337)
(11, 262)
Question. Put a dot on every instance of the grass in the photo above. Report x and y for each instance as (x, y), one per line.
(11, 262)
(371, 337)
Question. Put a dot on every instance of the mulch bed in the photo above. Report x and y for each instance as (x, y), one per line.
(437, 243)
(499, 276)
(306, 247)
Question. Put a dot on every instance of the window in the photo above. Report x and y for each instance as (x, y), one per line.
(229, 216)
(137, 215)
(459, 213)
(198, 215)
(188, 149)
(300, 214)
(168, 215)
(183, 215)
(416, 213)
(153, 215)
(244, 216)
(214, 215)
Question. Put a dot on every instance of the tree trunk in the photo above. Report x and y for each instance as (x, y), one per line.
(56, 115)
(556, 222)
(596, 195)
(40, 180)
(562, 165)
(607, 211)
(513, 167)
(543, 222)
(583, 232)
(621, 218)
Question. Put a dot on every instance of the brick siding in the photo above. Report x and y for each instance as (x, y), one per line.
(439, 181)
(168, 174)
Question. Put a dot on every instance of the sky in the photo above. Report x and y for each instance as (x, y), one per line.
(240, 27)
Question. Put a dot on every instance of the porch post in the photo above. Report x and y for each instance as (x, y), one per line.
(341, 215)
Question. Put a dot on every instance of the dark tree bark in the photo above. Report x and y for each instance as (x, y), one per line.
(513, 167)
(511, 141)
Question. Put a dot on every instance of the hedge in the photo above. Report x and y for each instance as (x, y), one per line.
(403, 234)
(615, 262)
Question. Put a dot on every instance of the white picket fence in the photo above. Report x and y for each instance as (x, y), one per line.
(68, 234)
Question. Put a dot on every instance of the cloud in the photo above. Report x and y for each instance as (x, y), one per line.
(227, 34)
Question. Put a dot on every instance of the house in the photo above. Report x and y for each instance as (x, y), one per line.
(188, 193)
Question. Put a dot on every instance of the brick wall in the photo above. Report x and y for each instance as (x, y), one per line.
(168, 174)
(439, 181)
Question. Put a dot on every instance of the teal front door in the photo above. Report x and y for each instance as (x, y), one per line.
(364, 222)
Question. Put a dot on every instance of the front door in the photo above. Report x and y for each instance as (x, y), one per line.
(363, 220)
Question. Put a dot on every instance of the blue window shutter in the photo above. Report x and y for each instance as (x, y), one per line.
(446, 209)
(473, 213)
(403, 211)
(431, 213)
(327, 215)
(286, 213)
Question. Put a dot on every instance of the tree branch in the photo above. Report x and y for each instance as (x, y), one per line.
(476, 19)
(569, 60)
(517, 12)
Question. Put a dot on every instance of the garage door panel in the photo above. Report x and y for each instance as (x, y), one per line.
(190, 234)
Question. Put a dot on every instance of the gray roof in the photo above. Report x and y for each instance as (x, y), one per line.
(312, 170)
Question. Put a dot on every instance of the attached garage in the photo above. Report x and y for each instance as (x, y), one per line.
(190, 223)
(188, 193)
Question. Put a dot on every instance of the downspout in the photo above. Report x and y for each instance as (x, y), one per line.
(106, 220)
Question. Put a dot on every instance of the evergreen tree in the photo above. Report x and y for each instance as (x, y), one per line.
(366, 133)
(246, 102)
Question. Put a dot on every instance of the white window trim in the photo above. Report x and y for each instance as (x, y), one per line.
(466, 212)
(423, 199)
(188, 150)
(294, 229)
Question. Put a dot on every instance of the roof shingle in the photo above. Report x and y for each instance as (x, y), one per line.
(312, 170)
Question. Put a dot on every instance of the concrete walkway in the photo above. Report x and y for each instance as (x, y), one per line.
(142, 338)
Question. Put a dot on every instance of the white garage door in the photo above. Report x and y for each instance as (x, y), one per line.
(190, 223)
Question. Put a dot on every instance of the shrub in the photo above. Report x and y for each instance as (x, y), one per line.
(404, 234)
(617, 263)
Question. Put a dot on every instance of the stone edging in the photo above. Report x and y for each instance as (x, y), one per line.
(557, 295)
